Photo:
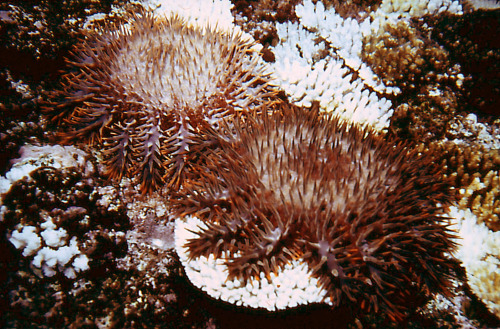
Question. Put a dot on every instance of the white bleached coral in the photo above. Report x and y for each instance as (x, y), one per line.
(319, 58)
(329, 80)
(33, 157)
(57, 252)
(53, 237)
(310, 70)
(50, 246)
(292, 286)
(26, 239)
(51, 260)
(480, 254)
(485, 4)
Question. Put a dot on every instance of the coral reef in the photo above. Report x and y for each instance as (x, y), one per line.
(53, 216)
(35, 36)
(296, 195)
(480, 255)
(144, 90)
(76, 253)
(468, 130)
(200, 13)
(57, 227)
(36, 28)
(420, 8)
(431, 85)
(475, 172)
(317, 60)
(19, 126)
(471, 41)
(318, 55)
(259, 18)
(400, 57)
(472, 163)
(466, 79)
(34, 157)
(425, 117)
(129, 276)
(482, 4)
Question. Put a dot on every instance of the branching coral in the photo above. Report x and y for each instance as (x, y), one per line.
(400, 57)
(430, 83)
(318, 59)
(475, 172)
(420, 8)
(324, 50)
(143, 90)
(58, 223)
(259, 17)
(360, 217)
(480, 256)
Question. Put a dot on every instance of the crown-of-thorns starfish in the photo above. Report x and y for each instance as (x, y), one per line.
(295, 208)
(144, 89)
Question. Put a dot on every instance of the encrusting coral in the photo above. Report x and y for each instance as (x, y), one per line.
(295, 208)
(144, 89)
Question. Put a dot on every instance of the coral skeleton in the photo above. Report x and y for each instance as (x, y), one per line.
(319, 58)
(480, 254)
(50, 248)
(144, 89)
(33, 157)
(360, 217)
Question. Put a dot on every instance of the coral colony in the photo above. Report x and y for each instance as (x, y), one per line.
(54, 250)
(144, 89)
(295, 197)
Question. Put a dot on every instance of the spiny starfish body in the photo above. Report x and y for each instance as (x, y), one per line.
(144, 89)
(360, 217)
